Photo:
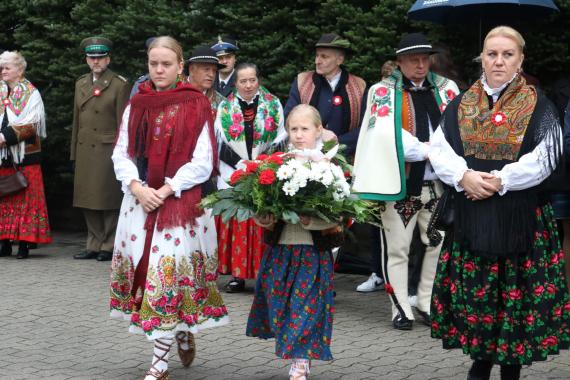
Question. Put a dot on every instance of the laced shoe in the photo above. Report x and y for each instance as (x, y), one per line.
(373, 284)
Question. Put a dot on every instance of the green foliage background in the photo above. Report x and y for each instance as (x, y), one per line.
(277, 35)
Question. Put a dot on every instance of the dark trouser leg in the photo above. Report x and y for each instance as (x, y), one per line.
(480, 370)
(510, 372)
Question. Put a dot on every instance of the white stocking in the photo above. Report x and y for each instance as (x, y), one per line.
(160, 358)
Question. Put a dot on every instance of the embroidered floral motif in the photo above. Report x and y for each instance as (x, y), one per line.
(266, 122)
(407, 208)
(18, 98)
(381, 105)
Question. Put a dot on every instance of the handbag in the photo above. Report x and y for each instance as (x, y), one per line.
(12, 183)
(442, 217)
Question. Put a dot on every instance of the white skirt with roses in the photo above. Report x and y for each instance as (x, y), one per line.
(180, 292)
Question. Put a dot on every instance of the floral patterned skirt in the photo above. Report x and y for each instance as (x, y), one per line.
(180, 291)
(23, 215)
(507, 311)
(240, 247)
(293, 302)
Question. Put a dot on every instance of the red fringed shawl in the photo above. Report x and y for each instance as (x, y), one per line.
(163, 129)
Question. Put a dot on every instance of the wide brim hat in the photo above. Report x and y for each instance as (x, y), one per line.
(225, 45)
(96, 46)
(333, 41)
(205, 54)
(415, 43)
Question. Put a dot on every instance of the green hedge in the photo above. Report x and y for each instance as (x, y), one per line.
(277, 35)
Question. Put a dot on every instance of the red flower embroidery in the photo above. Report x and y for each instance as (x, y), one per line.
(442, 107)
(498, 118)
(383, 111)
(381, 91)
(515, 294)
(450, 95)
(267, 177)
(469, 266)
(6, 102)
(520, 349)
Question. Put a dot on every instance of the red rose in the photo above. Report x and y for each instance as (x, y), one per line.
(262, 157)
(492, 347)
(487, 319)
(479, 293)
(550, 288)
(504, 347)
(267, 177)
(545, 235)
(515, 294)
(439, 308)
(381, 91)
(453, 288)
(529, 319)
(434, 326)
(276, 159)
(557, 312)
(450, 94)
(501, 316)
(389, 289)
(494, 268)
(469, 266)
(554, 259)
(472, 319)
(520, 349)
(567, 307)
(251, 167)
(236, 176)
(474, 342)
(446, 281)
(452, 331)
(538, 290)
(383, 111)
(463, 340)
(527, 265)
(445, 257)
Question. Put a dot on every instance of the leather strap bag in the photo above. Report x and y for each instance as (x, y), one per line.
(12, 183)
(442, 217)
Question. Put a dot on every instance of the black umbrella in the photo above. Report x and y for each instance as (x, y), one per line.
(457, 11)
(488, 11)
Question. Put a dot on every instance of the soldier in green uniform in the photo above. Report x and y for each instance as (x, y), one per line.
(100, 98)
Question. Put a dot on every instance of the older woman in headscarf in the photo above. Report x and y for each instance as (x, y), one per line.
(23, 214)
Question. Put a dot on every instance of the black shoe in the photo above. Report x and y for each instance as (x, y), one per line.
(32, 245)
(235, 285)
(104, 256)
(6, 249)
(402, 323)
(85, 255)
(23, 251)
(510, 372)
(425, 317)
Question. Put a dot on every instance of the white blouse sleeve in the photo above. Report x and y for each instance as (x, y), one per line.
(125, 168)
(414, 149)
(448, 166)
(198, 170)
(531, 169)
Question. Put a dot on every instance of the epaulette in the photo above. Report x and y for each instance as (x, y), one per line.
(121, 78)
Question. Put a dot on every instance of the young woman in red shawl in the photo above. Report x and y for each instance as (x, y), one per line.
(164, 265)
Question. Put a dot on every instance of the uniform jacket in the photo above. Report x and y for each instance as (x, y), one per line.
(97, 111)
(229, 87)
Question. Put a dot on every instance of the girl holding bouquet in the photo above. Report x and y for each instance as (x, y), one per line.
(293, 300)
(248, 123)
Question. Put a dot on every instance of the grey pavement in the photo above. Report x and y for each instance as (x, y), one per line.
(54, 324)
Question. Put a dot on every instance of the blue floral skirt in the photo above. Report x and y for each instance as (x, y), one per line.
(507, 311)
(293, 302)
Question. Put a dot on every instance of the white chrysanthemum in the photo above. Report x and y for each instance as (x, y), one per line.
(285, 172)
(327, 178)
(337, 171)
(290, 188)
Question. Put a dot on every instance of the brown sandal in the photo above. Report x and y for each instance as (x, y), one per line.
(186, 356)
(153, 371)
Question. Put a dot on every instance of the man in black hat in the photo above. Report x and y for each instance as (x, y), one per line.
(337, 94)
(391, 165)
(100, 97)
(203, 66)
(226, 49)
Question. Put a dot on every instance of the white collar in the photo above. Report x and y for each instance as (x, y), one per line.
(495, 92)
(334, 80)
(225, 81)
(248, 101)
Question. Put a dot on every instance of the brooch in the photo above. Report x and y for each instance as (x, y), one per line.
(337, 100)
(498, 118)
(96, 92)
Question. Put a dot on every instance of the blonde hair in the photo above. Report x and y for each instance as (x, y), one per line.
(508, 32)
(313, 113)
(168, 43)
(15, 58)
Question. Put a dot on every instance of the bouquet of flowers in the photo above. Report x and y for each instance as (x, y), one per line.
(286, 187)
